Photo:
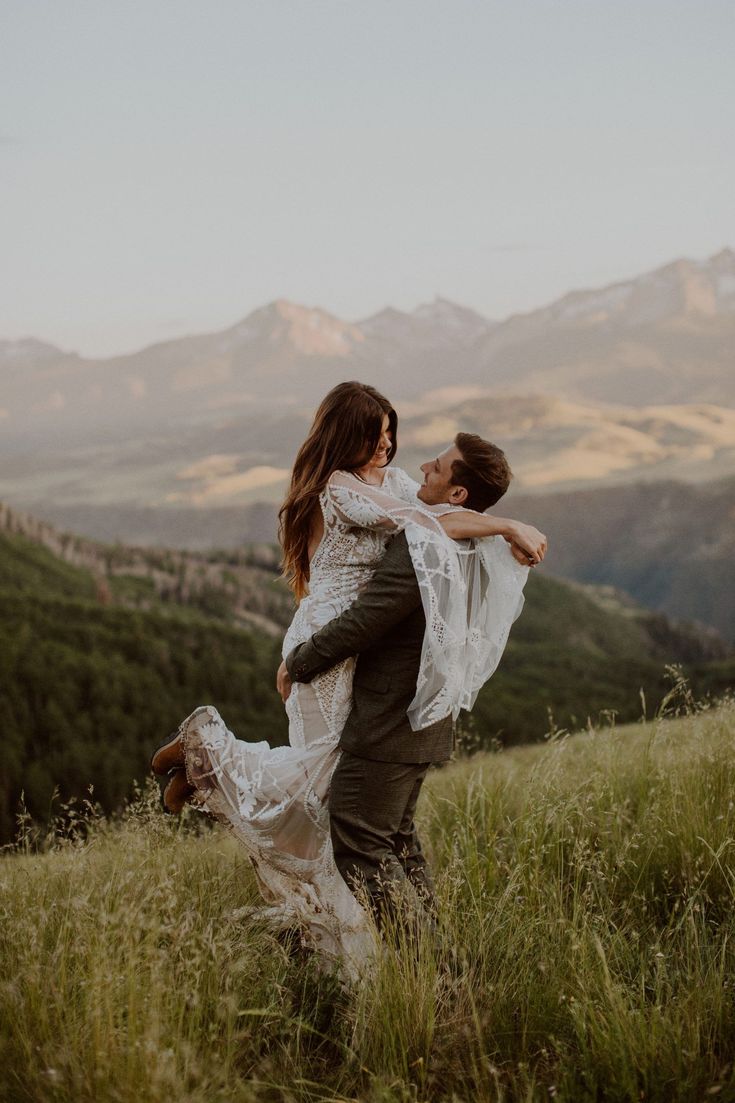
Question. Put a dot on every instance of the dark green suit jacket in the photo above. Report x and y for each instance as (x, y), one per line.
(385, 628)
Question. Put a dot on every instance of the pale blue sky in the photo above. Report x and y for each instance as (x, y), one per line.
(169, 165)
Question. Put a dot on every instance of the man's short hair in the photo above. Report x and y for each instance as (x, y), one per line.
(483, 471)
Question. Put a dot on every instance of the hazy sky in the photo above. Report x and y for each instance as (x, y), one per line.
(169, 165)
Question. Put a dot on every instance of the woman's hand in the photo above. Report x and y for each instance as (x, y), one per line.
(531, 542)
(283, 682)
(520, 556)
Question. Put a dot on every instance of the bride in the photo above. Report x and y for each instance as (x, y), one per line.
(344, 504)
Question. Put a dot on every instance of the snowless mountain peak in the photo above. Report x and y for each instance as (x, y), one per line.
(388, 324)
(29, 350)
(387, 314)
(682, 288)
(724, 259)
(445, 313)
(309, 330)
(438, 322)
(438, 305)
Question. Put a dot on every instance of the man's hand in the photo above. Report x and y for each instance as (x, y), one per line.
(530, 541)
(283, 682)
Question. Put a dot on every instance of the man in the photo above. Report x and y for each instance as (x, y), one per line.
(383, 764)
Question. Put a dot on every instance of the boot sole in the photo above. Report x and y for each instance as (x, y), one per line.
(161, 771)
(175, 811)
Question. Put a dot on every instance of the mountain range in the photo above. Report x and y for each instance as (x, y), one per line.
(663, 337)
(611, 404)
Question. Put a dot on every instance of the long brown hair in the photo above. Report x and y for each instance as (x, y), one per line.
(344, 435)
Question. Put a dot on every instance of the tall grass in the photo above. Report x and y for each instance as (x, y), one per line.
(585, 949)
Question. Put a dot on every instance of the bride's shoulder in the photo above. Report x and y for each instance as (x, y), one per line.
(352, 480)
(395, 484)
(342, 486)
(399, 482)
(342, 479)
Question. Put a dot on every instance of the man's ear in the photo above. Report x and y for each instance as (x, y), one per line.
(457, 495)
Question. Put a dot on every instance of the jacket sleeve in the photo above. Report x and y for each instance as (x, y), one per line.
(388, 598)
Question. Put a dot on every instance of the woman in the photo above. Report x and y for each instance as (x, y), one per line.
(344, 503)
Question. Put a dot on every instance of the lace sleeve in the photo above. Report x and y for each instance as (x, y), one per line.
(403, 486)
(470, 592)
(358, 503)
(470, 602)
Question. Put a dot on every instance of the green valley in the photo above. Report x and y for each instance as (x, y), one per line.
(104, 650)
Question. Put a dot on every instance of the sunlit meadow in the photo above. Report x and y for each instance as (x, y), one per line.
(585, 951)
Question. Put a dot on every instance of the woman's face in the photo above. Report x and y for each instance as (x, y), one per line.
(379, 457)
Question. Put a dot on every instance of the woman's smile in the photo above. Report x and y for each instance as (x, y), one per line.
(385, 443)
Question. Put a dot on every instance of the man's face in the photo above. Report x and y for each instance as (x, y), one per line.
(437, 486)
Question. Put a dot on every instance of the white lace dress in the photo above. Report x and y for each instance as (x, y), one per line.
(275, 798)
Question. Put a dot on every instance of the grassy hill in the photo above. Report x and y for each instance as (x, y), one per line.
(100, 659)
(586, 952)
(578, 651)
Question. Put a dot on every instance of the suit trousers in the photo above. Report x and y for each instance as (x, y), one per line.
(376, 845)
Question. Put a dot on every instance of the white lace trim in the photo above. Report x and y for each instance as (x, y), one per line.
(471, 592)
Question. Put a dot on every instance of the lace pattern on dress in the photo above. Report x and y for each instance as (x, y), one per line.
(274, 799)
(471, 593)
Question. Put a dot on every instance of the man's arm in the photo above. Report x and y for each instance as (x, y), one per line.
(390, 595)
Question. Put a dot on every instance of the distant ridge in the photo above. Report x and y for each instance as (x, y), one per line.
(666, 336)
(244, 583)
(245, 580)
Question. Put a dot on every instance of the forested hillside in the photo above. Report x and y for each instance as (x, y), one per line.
(579, 651)
(669, 544)
(96, 669)
(88, 687)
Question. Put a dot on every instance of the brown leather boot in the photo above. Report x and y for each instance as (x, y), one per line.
(177, 792)
(169, 756)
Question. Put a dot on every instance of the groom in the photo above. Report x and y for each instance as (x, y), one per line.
(378, 778)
